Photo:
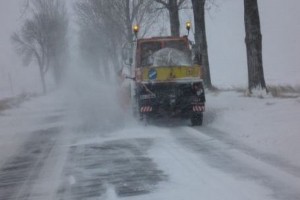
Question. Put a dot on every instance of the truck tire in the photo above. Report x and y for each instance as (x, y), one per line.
(197, 119)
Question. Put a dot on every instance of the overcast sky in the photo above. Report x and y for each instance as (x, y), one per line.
(8, 21)
(13, 75)
(281, 42)
(225, 29)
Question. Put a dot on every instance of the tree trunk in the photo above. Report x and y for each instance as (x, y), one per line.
(41, 64)
(129, 35)
(42, 74)
(200, 38)
(253, 42)
(174, 17)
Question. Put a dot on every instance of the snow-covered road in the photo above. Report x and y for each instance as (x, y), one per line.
(45, 155)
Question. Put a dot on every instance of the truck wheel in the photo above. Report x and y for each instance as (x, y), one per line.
(197, 119)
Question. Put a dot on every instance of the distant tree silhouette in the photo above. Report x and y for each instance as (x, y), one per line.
(43, 37)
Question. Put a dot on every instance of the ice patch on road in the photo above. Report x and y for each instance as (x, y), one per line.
(123, 164)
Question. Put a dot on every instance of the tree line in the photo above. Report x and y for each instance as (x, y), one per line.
(42, 37)
(105, 27)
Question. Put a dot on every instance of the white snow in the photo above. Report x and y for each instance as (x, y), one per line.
(267, 124)
(17, 124)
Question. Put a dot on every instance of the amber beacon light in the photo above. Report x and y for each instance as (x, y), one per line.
(188, 25)
(136, 29)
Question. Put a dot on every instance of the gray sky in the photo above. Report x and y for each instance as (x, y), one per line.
(281, 42)
(8, 21)
(225, 29)
(281, 29)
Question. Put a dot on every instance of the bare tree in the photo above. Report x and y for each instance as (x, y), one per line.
(253, 41)
(42, 36)
(98, 34)
(200, 39)
(112, 22)
(173, 7)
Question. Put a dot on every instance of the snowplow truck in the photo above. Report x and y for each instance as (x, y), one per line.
(167, 81)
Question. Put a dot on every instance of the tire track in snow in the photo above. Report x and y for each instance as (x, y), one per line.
(19, 173)
(224, 157)
(271, 159)
(122, 164)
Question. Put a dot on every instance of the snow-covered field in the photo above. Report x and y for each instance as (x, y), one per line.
(247, 149)
(267, 124)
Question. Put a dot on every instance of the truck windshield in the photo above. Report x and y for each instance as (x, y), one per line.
(174, 48)
(171, 57)
(147, 50)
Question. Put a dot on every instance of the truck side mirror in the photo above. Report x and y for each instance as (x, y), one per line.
(131, 78)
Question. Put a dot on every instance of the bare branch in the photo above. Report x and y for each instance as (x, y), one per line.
(180, 3)
(163, 3)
